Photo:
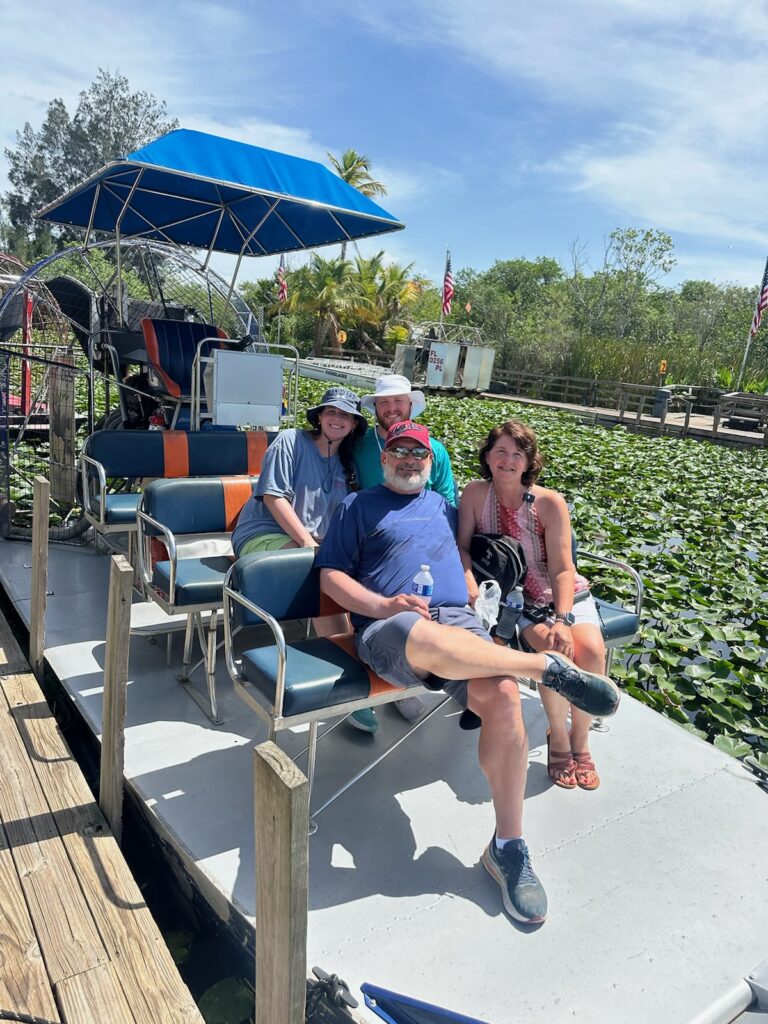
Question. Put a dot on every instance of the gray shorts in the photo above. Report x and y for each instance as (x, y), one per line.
(381, 645)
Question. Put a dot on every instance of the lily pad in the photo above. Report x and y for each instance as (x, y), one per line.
(227, 1002)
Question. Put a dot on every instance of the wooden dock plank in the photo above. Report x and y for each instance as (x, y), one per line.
(141, 962)
(85, 998)
(68, 938)
(23, 979)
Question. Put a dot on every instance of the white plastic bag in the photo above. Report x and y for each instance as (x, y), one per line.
(487, 603)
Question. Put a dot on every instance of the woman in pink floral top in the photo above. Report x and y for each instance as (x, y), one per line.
(559, 612)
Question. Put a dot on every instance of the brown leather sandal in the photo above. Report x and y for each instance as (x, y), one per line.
(561, 767)
(584, 771)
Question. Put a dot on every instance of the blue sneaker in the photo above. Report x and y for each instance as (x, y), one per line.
(365, 720)
(597, 695)
(522, 892)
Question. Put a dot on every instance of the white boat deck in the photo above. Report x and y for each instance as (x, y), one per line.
(657, 882)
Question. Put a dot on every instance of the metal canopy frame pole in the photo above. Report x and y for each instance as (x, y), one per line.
(212, 246)
(92, 215)
(243, 247)
(118, 223)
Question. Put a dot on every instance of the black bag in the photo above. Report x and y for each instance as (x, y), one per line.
(498, 557)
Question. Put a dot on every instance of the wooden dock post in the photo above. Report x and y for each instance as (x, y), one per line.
(115, 681)
(61, 402)
(40, 507)
(281, 795)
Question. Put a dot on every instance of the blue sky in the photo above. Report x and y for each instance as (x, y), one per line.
(501, 129)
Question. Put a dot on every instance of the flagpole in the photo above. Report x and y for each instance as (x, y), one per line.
(750, 336)
(754, 326)
(442, 291)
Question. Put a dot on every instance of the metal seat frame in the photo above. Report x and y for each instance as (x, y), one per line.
(206, 635)
(272, 714)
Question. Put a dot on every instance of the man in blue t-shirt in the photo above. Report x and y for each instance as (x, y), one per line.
(394, 400)
(375, 545)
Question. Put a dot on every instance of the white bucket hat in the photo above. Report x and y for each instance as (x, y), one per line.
(395, 384)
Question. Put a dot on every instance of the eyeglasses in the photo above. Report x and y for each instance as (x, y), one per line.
(422, 454)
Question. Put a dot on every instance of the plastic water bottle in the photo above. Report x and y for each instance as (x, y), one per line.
(423, 583)
(511, 611)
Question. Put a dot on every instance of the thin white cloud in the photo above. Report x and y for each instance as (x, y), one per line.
(267, 134)
(666, 97)
(412, 183)
(672, 185)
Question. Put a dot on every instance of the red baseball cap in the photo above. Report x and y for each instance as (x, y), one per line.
(407, 428)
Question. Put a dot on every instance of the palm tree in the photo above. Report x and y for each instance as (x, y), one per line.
(322, 289)
(355, 169)
(378, 293)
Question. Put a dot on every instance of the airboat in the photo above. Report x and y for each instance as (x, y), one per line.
(657, 883)
(184, 194)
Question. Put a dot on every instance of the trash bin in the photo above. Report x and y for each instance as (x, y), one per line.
(661, 401)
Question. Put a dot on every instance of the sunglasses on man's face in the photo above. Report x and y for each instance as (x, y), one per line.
(410, 453)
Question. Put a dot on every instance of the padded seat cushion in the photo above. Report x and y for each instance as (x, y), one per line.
(198, 580)
(196, 505)
(319, 674)
(171, 347)
(120, 510)
(144, 453)
(128, 453)
(619, 624)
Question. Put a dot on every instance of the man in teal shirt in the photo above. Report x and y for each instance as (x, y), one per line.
(392, 402)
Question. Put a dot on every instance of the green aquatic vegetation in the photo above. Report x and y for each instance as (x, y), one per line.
(692, 518)
(229, 1001)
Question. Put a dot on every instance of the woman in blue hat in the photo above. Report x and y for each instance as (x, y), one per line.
(305, 475)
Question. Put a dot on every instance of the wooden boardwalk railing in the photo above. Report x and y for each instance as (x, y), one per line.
(79, 945)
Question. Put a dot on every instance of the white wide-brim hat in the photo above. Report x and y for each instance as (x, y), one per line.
(395, 384)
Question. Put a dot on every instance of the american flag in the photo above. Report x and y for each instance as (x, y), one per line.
(282, 284)
(447, 286)
(762, 302)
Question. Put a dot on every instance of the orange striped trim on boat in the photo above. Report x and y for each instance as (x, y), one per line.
(237, 490)
(346, 641)
(176, 453)
(257, 443)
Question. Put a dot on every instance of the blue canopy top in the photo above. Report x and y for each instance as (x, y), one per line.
(200, 190)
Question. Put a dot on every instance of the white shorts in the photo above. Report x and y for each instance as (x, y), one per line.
(584, 611)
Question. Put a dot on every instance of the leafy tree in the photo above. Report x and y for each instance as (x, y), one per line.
(379, 295)
(321, 288)
(110, 121)
(613, 300)
(355, 169)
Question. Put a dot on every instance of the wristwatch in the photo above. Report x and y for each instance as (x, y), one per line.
(566, 617)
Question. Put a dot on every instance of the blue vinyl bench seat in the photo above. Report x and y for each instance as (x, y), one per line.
(172, 346)
(184, 547)
(618, 624)
(198, 581)
(311, 680)
(130, 455)
(319, 675)
(119, 509)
